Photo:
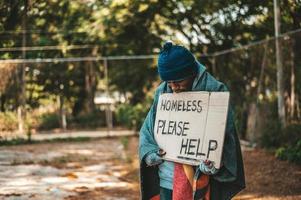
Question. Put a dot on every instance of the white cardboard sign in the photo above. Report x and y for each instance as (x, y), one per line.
(190, 126)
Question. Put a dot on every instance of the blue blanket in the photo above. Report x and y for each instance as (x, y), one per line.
(230, 178)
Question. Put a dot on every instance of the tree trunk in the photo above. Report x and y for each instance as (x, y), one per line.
(63, 120)
(90, 84)
(280, 84)
(109, 116)
(2, 100)
(292, 80)
(214, 70)
(254, 128)
(298, 107)
(22, 98)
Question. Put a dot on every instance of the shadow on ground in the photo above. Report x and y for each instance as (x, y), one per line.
(108, 169)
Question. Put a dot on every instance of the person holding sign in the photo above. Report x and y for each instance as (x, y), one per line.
(162, 179)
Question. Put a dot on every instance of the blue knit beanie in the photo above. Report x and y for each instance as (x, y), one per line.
(176, 63)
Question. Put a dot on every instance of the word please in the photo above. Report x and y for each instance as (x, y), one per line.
(172, 127)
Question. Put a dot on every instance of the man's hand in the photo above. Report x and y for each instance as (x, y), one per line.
(207, 167)
(155, 158)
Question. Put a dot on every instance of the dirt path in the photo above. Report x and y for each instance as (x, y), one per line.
(98, 168)
(270, 178)
(108, 169)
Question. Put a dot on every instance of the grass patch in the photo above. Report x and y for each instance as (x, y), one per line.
(125, 142)
(22, 141)
(58, 162)
(62, 161)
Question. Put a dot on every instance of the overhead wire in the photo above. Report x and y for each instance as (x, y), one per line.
(75, 59)
(43, 48)
(79, 59)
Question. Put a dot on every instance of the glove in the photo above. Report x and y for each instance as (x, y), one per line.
(207, 167)
(154, 158)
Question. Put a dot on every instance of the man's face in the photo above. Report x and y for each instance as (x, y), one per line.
(181, 86)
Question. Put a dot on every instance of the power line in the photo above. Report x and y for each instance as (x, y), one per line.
(75, 59)
(62, 47)
(251, 44)
(42, 48)
(79, 59)
(131, 57)
(239, 48)
(49, 60)
(40, 32)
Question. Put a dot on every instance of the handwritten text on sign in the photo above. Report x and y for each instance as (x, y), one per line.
(190, 126)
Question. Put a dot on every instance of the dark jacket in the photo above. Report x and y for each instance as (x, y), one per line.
(230, 178)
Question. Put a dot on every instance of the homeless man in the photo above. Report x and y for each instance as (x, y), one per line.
(179, 71)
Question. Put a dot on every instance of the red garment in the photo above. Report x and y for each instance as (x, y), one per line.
(185, 184)
(157, 197)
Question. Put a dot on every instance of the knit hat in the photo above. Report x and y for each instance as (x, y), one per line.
(176, 63)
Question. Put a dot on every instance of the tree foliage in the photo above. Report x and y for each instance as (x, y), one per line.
(132, 27)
